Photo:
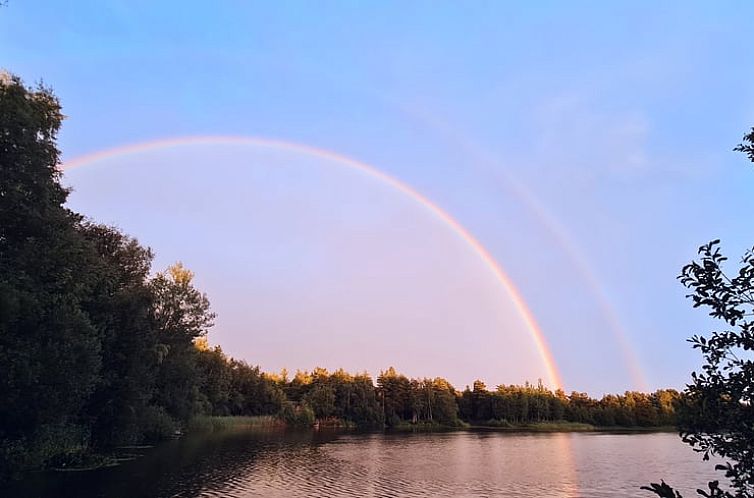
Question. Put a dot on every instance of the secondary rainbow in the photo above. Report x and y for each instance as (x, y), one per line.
(480, 156)
(554, 378)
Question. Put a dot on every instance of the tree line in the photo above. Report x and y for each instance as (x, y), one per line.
(97, 350)
(531, 404)
(397, 401)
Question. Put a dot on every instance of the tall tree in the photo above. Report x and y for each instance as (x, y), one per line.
(181, 315)
(121, 306)
(49, 346)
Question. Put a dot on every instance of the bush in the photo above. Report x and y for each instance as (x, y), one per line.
(204, 423)
(156, 424)
(52, 446)
(300, 415)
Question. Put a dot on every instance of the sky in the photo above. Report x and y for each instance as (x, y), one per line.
(586, 147)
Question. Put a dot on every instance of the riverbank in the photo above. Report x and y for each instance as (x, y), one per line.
(219, 423)
(564, 426)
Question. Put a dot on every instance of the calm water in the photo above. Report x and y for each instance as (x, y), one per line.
(243, 464)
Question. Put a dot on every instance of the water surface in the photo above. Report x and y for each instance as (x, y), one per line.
(249, 464)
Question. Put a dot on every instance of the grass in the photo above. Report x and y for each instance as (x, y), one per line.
(564, 426)
(658, 428)
(554, 426)
(334, 423)
(426, 426)
(205, 423)
(559, 426)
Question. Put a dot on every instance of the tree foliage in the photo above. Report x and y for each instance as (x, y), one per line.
(529, 404)
(718, 419)
(50, 347)
(747, 145)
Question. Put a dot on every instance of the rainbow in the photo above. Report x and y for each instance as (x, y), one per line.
(479, 155)
(554, 379)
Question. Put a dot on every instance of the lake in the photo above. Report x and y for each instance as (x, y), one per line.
(468, 463)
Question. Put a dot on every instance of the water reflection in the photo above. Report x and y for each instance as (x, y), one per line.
(248, 464)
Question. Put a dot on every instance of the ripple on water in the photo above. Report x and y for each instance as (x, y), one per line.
(464, 464)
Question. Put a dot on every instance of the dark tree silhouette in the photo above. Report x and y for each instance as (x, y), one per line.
(718, 418)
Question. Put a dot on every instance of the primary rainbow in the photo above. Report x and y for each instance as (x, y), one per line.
(535, 331)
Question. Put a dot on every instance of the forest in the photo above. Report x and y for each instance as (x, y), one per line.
(97, 350)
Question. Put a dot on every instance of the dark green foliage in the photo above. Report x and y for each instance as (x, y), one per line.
(181, 315)
(431, 401)
(340, 395)
(394, 394)
(252, 392)
(154, 424)
(297, 415)
(49, 345)
(663, 490)
(321, 398)
(397, 401)
(442, 406)
(523, 405)
(217, 379)
(747, 146)
(121, 306)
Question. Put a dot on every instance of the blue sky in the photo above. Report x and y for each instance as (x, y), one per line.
(587, 146)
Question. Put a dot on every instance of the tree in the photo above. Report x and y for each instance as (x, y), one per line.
(93, 352)
(747, 146)
(215, 377)
(444, 402)
(394, 391)
(49, 345)
(480, 401)
(121, 306)
(718, 418)
(321, 398)
(181, 315)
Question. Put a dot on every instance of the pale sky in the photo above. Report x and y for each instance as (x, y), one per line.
(586, 146)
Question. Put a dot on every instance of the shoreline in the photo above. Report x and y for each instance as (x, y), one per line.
(214, 424)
